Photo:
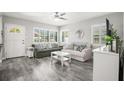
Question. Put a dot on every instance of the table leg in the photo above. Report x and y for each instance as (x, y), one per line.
(51, 60)
(62, 62)
(69, 59)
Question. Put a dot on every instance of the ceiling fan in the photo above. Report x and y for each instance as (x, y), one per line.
(59, 15)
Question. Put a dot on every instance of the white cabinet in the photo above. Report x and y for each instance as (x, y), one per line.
(105, 65)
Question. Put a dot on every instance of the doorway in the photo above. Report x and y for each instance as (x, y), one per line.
(14, 40)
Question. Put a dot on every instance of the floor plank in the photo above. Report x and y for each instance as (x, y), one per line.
(26, 69)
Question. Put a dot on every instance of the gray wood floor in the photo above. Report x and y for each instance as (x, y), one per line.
(26, 69)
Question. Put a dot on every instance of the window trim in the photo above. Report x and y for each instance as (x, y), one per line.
(92, 33)
(61, 31)
(50, 30)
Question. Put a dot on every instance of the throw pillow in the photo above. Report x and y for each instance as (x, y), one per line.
(82, 47)
(75, 48)
(70, 46)
(54, 45)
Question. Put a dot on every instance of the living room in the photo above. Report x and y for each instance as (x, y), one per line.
(42, 34)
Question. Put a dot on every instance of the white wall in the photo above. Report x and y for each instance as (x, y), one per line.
(115, 19)
(123, 28)
(29, 27)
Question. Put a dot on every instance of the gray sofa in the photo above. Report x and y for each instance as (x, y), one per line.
(79, 51)
(45, 49)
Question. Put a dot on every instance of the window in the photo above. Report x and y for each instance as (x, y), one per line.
(44, 35)
(98, 33)
(65, 36)
(36, 35)
(53, 36)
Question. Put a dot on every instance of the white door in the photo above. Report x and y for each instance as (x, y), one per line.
(15, 40)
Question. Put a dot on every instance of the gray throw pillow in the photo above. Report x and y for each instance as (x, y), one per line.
(78, 49)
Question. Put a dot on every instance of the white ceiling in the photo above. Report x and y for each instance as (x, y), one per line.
(48, 17)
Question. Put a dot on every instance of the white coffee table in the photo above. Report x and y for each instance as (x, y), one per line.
(60, 56)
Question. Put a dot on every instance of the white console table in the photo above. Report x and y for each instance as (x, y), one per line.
(105, 65)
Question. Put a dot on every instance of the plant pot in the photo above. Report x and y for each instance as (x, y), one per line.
(108, 48)
(114, 45)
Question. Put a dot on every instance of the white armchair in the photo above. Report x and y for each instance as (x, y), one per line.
(87, 53)
(84, 55)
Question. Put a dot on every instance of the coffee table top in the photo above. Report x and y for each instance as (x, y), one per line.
(60, 53)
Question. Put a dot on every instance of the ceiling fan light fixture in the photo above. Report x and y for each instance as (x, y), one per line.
(58, 16)
(57, 19)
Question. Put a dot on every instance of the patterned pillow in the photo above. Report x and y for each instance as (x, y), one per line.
(79, 47)
(82, 47)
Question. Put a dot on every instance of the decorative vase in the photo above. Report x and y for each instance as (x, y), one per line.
(108, 48)
(114, 45)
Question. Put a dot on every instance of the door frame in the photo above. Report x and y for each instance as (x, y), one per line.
(5, 37)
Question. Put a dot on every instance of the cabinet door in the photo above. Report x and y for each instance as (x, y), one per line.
(105, 66)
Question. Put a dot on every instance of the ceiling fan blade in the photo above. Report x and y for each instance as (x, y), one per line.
(62, 18)
(62, 14)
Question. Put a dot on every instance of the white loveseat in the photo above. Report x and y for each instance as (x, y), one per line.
(83, 55)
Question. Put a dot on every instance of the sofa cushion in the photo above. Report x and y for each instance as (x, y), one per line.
(38, 46)
(69, 46)
(74, 53)
(54, 45)
(46, 46)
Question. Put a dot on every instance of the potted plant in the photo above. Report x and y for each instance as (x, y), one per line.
(116, 42)
(113, 42)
